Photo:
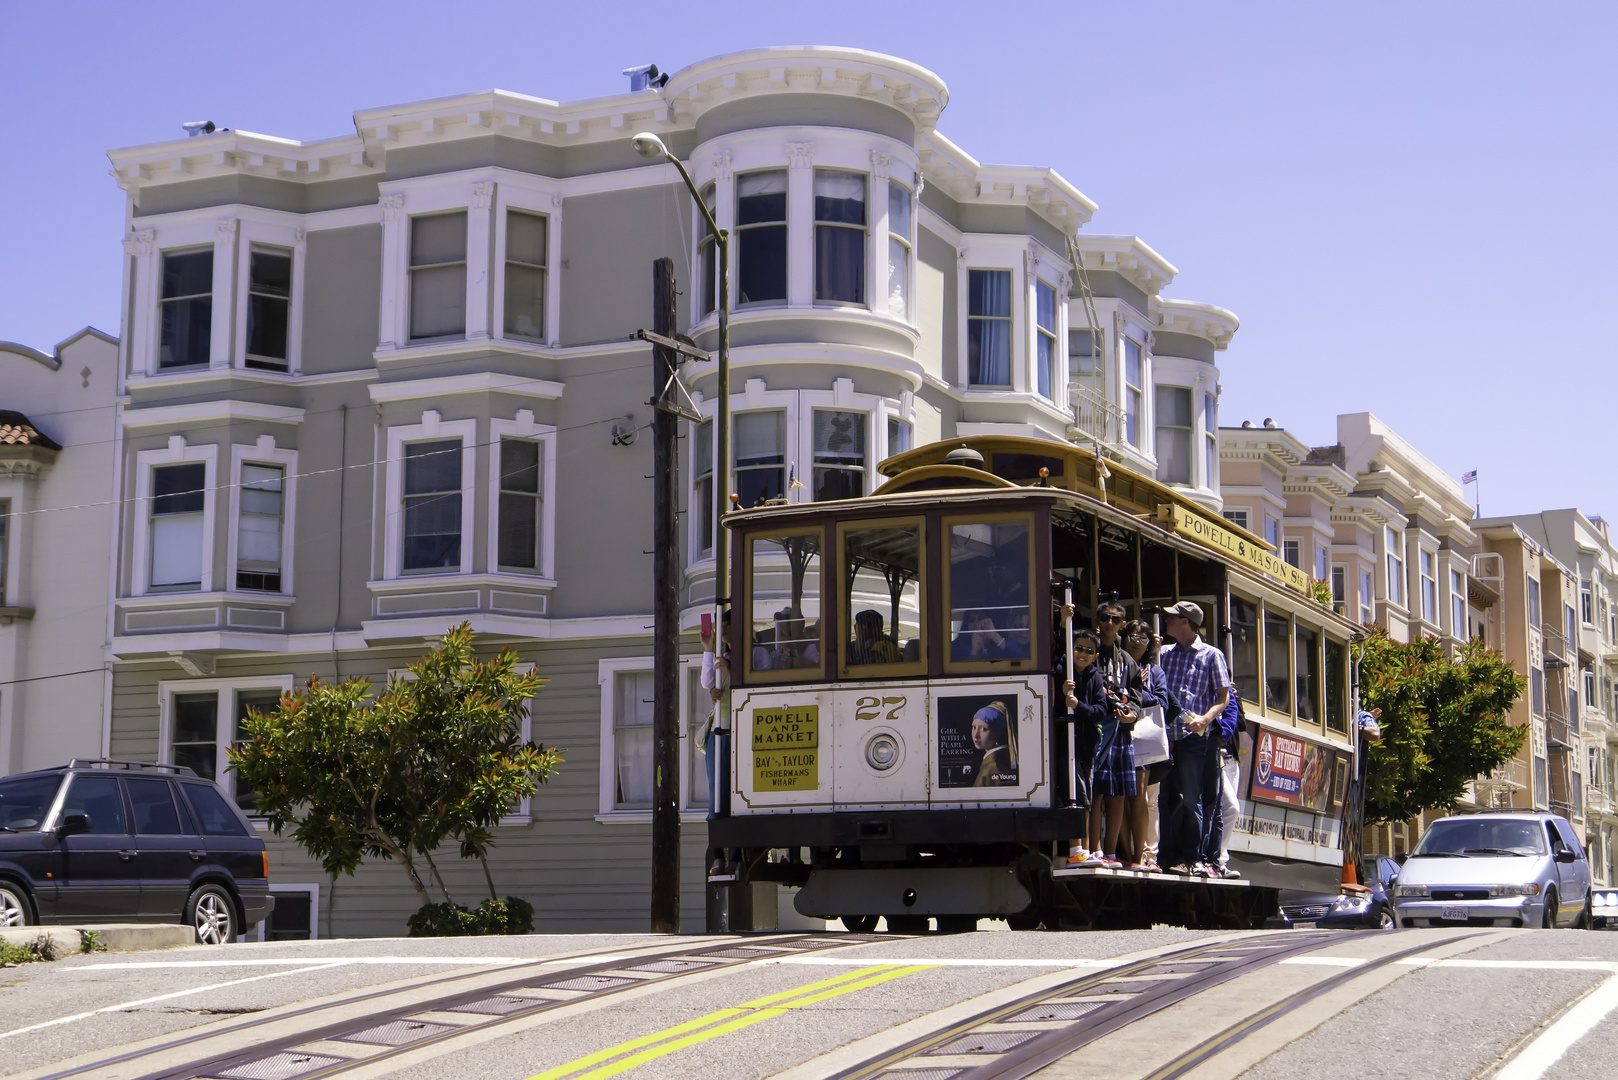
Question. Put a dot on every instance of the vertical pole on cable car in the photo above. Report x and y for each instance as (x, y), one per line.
(665, 617)
(1073, 728)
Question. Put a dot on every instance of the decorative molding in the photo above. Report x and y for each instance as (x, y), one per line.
(482, 195)
(392, 204)
(800, 155)
(721, 166)
(210, 411)
(225, 229)
(881, 164)
(140, 241)
(475, 383)
(300, 237)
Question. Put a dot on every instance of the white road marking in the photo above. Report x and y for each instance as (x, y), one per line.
(1324, 961)
(441, 961)
(1545, 1051)
(935, 961)
(161, 997)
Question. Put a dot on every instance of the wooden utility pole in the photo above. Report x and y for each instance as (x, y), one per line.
(665, 617)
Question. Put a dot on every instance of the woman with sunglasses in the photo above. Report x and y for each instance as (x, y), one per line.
(1140, 820)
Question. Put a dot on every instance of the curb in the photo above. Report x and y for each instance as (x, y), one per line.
(114, 937)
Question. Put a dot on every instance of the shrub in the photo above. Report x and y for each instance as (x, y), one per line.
(513, 915)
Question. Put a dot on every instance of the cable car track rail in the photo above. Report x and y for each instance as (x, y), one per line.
(620, 972)
(1009, 1049)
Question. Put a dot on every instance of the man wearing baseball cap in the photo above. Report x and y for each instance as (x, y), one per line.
(1188, 803)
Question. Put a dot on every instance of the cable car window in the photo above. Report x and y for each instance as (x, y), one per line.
(988, 592)
(1277, 663)
(882, 617)
(1244, 646)
(1308, 674)
(1336, 698)
(784, 605)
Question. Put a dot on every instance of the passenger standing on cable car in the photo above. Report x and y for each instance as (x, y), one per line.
(1140, 816)
(1084, 699)
(1189, 808)
(1115, 758)
(1230, 771)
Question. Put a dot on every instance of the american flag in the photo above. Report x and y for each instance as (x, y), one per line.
(1469, 477)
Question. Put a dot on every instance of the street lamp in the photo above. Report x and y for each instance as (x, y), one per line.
(649, 146)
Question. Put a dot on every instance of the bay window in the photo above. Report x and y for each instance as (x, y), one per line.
(761, 237)
(258, 528)
(1173, 434)
(839, 236)
(760, 453)
(1339, 590)
(702, 505)
(1045, 340)
(178, 501)
(185, 309)
(1236, 517)
(269, 307)
(898, 436)
(1367, 598)
(1210, 442)
(708, 255)
(521, 505)
(988, 328)
(1082, 350)
(438, 276)
(898, 249)
(525, 275)
(1132, 392)
(1533, 602)
(1320, 563)
(432, 506)
(839, 455)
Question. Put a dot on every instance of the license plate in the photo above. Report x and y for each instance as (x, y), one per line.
(1458, 913)
(1310, 925)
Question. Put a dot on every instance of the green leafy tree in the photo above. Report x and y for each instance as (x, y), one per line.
(435, 757)
(1445, 721)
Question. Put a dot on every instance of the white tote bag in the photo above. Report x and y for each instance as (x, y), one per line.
(1150, 737)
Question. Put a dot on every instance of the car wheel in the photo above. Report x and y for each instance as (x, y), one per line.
(13, 906)
(859, 924)
(1586, 917)
(212, 914)
(1549, 921)
(1384, 920)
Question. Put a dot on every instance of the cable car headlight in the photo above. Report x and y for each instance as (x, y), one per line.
(882, 752)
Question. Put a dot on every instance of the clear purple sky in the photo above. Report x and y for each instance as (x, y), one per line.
(1409, 206)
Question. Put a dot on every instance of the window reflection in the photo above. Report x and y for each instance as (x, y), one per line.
(882, 569)
(785, 619)
(988, 588)
(1308, 674)
(1277, 663)
(1244, 647)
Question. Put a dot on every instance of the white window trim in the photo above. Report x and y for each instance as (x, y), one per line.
(225, 715)
(401, 200)
(147, 325)
(310, 887)
(803, 150)
(269, 234)
(799, 406)
(263, 452)
(1433, 618)
(175, 453)
(523, 427)
(530, 195)
(431, 427)
(606, 674)
(1038, 276)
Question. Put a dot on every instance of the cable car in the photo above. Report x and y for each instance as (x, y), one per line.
(897, 750)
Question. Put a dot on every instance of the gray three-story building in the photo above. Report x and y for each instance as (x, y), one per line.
(378, 384)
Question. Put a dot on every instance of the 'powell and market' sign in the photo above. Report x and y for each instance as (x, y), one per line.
(1205, 532)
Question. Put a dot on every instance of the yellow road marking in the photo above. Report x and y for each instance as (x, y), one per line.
(721, 1022)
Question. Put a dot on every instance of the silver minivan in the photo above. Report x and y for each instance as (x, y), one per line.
(1496, 868)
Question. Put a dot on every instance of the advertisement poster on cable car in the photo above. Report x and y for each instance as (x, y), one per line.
(977, 741)
(1291, 772)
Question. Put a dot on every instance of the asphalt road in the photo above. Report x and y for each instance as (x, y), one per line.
(1441, 1003)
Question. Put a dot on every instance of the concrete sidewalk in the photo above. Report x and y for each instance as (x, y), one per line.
(113, 937)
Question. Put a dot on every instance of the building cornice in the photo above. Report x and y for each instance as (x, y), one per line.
(1131, 257)
(1213, 324)
(482, 382)
(201, 412)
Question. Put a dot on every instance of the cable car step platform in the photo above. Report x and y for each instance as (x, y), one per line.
(1087, 871)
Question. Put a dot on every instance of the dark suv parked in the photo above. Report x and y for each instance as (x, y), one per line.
(125, 841)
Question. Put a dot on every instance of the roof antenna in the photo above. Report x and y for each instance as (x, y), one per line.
(645, 77)
(193, 128)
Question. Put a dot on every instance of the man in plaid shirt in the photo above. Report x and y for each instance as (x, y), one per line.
(1188, 800)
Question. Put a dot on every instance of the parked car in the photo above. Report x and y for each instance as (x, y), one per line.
(1348, 909)
(1496, 868)
(1604, 909)
(122, 841)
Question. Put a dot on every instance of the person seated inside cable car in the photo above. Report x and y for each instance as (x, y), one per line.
(871, 644)
(980, 639)
(794, 646)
